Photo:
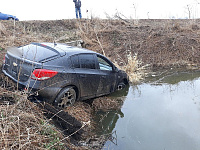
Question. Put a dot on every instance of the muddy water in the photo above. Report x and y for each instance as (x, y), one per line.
(161, 114)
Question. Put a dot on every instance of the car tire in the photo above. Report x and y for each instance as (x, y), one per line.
(66, 97)
(10, 18)
(121, 86)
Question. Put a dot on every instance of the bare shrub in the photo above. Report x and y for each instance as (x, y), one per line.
(104, 37)
(23, 126)
(2, 29)
(134, 68)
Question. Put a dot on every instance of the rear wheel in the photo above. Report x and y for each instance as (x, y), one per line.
(66, 97)
(10, 18)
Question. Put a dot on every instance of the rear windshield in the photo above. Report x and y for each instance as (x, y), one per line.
(33, 52)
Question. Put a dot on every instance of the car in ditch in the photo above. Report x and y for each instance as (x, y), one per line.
(60, 74)
(7, 17)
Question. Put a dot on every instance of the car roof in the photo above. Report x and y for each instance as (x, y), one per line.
(63, 49)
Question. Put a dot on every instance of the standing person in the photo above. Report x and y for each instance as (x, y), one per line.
(78, 8)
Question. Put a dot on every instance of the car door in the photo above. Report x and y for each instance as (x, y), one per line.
(87, 74)
(107, 76)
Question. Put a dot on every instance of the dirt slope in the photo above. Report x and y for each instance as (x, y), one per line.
(158, 43)
(164, 43)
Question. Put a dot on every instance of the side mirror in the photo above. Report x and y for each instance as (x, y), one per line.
(115, 69)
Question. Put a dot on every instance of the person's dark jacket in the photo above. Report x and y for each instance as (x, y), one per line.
(77, 3)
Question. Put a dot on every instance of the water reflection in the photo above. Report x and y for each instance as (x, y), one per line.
(178, 77)
(106, 121)
(174, 77)
(164, 117)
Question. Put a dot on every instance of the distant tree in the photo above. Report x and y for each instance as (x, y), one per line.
(189, 11)
(135, 10)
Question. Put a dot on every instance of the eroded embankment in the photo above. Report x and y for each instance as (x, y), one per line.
(36, 125)
(27, 125)
(152, 43)
(162, 43)
(149, 44)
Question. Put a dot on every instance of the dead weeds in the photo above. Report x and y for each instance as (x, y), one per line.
(155, 43)
(107, 104)
(133, 46)
(26, 125)
(160, 43)
(23, 126)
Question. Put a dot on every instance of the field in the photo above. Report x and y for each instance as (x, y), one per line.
(140, 47)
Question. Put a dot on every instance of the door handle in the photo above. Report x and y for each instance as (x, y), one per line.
(83, 76)
(103, 77)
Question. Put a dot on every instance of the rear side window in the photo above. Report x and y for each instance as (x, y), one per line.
(75, 61)
(83, 61)
(36, 53)
(87, 61)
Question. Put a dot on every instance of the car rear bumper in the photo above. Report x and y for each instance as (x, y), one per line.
(34, 89)
(47, 94)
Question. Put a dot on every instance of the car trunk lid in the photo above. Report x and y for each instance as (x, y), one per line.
(18, 68)
(21, 61)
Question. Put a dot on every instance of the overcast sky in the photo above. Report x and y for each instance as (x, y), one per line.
(64, 9)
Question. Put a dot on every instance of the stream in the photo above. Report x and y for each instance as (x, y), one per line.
(161, 114)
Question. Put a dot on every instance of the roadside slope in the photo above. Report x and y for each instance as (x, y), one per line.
(159, 43)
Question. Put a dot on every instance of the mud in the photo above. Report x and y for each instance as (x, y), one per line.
(159, 44)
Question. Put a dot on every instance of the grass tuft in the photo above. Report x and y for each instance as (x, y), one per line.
(134, 68)
(23, 126)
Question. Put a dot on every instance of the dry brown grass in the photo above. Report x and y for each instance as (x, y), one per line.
(23, 126)
(93, 31)
(24, 32)
(2, 29)
(156, 42)
(27, 125)
(82, 111)
(107, 104)
(160, 43)
(132, 46)
(135, 69)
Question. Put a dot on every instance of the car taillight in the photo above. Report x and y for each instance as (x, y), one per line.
(43, 74)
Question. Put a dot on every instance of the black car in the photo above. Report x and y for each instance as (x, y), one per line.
(61, 74)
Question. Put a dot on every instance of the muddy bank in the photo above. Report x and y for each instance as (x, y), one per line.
(158, 43)
(71, 128)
